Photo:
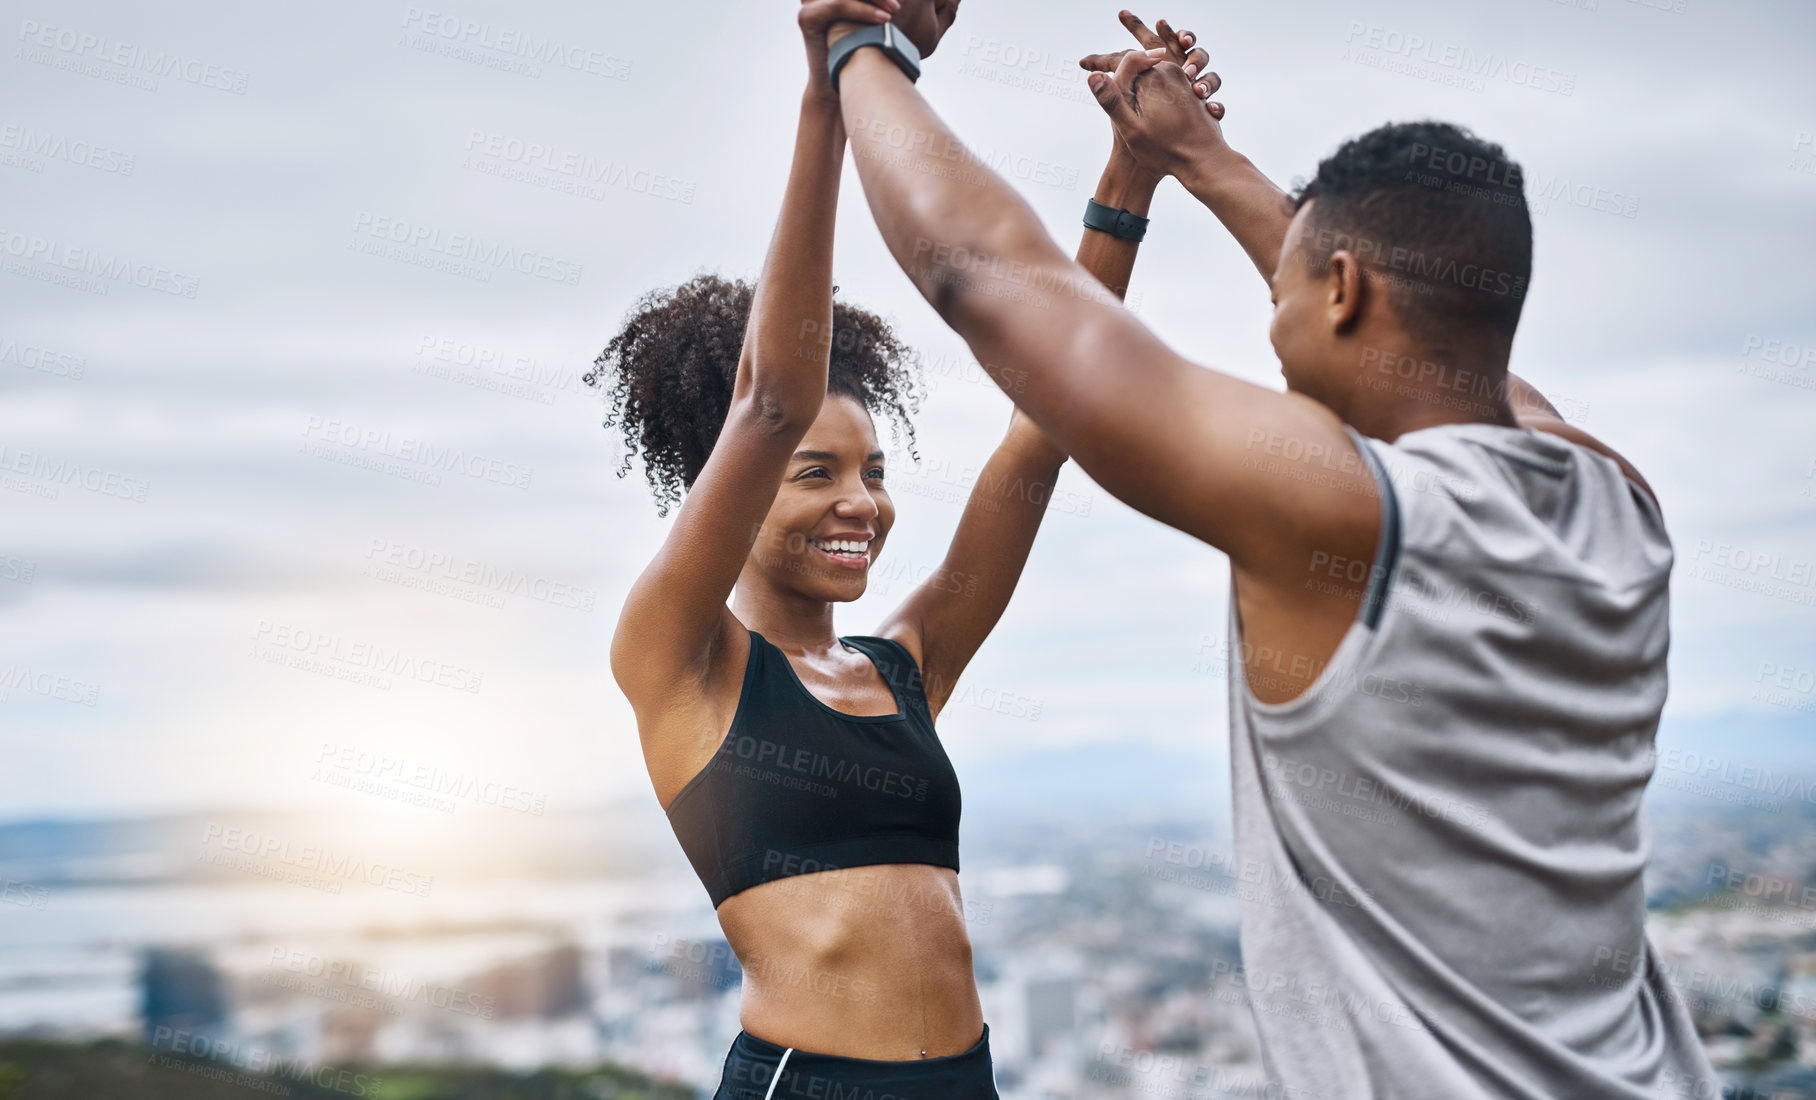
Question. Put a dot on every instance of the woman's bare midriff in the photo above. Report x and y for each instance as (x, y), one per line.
(866, 962)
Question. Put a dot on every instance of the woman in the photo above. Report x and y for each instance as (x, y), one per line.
(800, 770)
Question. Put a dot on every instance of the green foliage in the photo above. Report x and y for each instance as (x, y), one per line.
(32, 1070)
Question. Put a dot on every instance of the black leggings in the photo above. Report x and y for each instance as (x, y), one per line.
(760, 1070)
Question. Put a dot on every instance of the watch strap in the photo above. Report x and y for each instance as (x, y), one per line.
(1117, 223)
(893, 43)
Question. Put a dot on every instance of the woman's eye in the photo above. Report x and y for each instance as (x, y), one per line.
(817, 471)
(875, 475)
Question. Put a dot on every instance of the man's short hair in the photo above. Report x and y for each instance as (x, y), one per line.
(1438, 218)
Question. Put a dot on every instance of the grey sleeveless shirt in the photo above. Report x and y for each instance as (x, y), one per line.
(1447, 824)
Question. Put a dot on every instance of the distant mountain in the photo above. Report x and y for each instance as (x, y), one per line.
(630, 838)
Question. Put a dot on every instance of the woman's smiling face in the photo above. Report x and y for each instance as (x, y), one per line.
(832, 513)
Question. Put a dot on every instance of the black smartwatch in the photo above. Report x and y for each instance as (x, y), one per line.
(1117, 223)
(892, 42)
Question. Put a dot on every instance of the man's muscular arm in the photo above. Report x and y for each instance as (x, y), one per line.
(1199, 450)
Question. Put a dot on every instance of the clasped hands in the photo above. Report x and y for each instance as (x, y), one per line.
(1158, 96)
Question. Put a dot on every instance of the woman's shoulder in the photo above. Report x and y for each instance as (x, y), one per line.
(670, 726)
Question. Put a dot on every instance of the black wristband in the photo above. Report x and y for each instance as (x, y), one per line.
(1117, 223)
(894, 45)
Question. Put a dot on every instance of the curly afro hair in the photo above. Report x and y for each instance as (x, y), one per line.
(668, 375)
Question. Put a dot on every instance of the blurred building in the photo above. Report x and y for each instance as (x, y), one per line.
(546, 986)
(180, 991)
(1052, 1005)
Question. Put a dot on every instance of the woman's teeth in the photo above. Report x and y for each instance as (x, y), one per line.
(850, 548)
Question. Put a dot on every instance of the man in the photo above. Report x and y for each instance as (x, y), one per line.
(1450, 677)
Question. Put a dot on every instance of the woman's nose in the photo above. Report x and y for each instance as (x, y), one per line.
(857, 504)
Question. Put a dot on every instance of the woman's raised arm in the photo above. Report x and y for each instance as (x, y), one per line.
(675, 616)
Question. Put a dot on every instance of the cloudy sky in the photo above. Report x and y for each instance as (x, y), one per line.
(240, 426)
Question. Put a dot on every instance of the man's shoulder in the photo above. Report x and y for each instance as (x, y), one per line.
(1528, 498)
(1570, 433)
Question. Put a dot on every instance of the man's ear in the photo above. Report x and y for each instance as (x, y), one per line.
(1343, 283)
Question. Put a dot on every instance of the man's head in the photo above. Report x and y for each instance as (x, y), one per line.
(1414, 238)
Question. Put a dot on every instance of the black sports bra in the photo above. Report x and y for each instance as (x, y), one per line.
(798, 787)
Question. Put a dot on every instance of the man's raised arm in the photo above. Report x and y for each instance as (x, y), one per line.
(1173, 440)
(1190, 146)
